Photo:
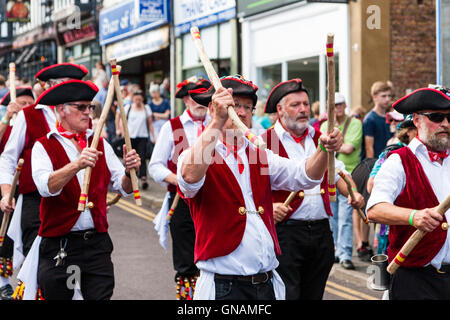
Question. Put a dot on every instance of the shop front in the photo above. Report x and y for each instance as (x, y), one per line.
(288, 41)
(138, 38)
(217, 23)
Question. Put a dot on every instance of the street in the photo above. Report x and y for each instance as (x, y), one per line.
(144, 271)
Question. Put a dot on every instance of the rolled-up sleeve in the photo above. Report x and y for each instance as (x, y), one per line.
(42, 167)
(288, 174)
(189, 190)
(157, 167)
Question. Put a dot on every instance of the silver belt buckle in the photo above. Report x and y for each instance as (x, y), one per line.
(258, 282)
(87, 235)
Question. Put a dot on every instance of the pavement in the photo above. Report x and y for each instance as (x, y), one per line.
(153, 197)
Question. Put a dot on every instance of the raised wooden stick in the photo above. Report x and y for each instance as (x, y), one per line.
(212, 75)
(114, 200)
(414, 240)
(6, 216)
(173, 207)
(352, 195)
(12, 86)
(95, 139)
(126, 133)
(330, 112)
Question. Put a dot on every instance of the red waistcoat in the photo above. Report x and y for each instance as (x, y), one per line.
(60, 213)
(181, 143)
(5, 138)
(217, 208)
(274, 144)
(37, 127)
(417, 194)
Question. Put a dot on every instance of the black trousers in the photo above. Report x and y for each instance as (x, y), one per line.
(140, 145)
(243, 290)
(183, 239)
(307, 256)
(6, 250)
(88, 260)
(30, 221)
(420, 284)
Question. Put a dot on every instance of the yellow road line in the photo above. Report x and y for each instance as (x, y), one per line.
(340, 294)
(136, 213)
(134, 209)
(351, 291)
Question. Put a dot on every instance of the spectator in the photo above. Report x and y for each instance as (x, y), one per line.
(376, 130)
(165, 89)
(140, 125)
(315, 110)
(160, 108)
(358, 113)
(99, 74)
(102, 90)
(260, 118)
(3, 88)
(342, 222)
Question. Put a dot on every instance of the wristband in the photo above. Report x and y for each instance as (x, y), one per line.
(127, 174)
(411, 217)
(321, 147)
(354, 189)
(4, 120)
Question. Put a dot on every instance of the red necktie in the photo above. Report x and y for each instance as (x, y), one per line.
(199, 122)
(435, 156)
(303, 136)
(236, 156)
(79, 137)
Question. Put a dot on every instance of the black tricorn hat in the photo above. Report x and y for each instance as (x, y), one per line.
(190, 84)
(424, 99)
(280, 90)
(62, 70)
(240, 86)
(68, 91)
(20, 91)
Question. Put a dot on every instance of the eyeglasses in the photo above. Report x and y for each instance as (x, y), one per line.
(437, 117)
(247, 108)
(82, 107)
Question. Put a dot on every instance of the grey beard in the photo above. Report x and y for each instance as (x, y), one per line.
(433, 141)
(293, 125)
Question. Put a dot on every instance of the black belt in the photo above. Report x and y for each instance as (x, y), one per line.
(84, 234)
(254, 279)
(445, 268)
(293, 222)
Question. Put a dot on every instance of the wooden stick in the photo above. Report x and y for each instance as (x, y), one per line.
(123, 116)
(95, 140)
(6, 216)
(352, 195)
(330, 112)
(173, 207)
(12, 86)
(414, 240)
(114, 200)
(256, 140)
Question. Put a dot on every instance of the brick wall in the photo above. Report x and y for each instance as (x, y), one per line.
(413, 44)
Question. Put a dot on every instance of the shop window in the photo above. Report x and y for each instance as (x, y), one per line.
(308, 70)
(268, 77)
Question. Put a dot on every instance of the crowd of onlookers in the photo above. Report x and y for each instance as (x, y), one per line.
(366, 135)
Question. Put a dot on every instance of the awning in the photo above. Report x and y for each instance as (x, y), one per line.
(144, 43)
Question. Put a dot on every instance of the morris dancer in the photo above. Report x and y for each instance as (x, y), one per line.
(24, 97)
(68, 237)
(303, 227)
(407, 190)
(227, 184)
(179, 134)
(31, 123)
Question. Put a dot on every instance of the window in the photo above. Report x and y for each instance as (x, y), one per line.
(268, 77)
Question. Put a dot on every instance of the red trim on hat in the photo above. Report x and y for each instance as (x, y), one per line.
(88, 82)
(421, 89)
(18, 88)
(298, 80)
(199, 90)
(79, 66)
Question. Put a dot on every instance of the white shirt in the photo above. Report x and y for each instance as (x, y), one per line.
(391, 179)
(16, 142)
(255, 253)
(42, 168)
(165, 147)
(312, 207)
(138, 121)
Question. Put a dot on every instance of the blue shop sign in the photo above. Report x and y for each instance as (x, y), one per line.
(131, 18)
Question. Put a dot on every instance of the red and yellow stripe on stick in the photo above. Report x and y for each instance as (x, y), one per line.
(330, 112)
(114, 70)
(251, 137)
(83, 198)
(173, 207)
(330, 49)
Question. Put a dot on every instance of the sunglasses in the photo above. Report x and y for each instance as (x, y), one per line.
(82, 107)
(437, 117)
